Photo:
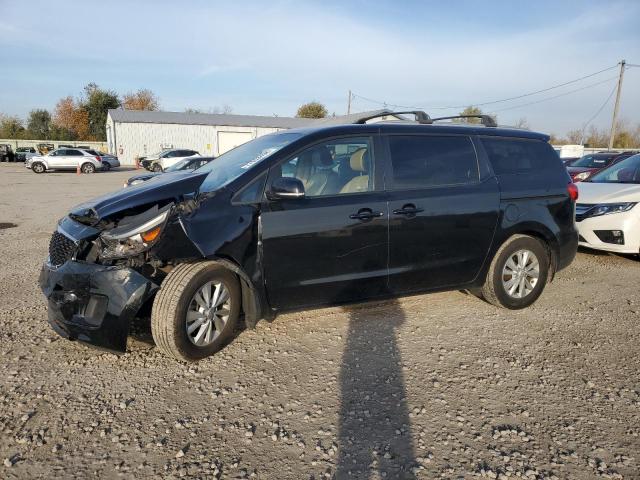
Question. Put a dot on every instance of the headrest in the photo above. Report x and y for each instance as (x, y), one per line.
(358, 162)
(320, 157)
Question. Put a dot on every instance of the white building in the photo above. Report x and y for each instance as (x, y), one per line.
(132, 134)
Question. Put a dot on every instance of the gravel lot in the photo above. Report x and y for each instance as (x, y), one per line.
(431, 386)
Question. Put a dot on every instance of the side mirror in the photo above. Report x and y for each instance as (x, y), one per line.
(286, 188)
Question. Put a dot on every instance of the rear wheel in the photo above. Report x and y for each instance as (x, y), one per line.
(518, 273)
(196, 310)
(88, 168)
(38, 167)
(106, 166)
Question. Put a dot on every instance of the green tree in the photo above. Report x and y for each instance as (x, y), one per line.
(470, 111)
(39, 124)
(312, 110)
(96, 102)
(11, 127)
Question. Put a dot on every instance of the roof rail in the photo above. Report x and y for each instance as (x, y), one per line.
(421, 117)
(486, 120)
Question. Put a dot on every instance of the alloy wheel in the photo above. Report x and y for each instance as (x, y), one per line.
(208, 313)
(520, 273)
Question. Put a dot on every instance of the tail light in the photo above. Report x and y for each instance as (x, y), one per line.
(572, 190)
(98, 158)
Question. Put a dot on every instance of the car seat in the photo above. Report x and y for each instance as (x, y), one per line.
(359, 163)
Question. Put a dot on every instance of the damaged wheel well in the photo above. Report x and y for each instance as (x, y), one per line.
(252, 307)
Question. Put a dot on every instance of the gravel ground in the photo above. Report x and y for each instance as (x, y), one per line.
(431, 386)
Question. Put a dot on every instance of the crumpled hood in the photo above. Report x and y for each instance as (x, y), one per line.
(608, 192)
(165, 187)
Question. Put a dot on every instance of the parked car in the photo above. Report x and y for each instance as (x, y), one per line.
(568, 161)
(108, 161)
(291, 220)
(186, 165)
(583, 168)
(608, 215)
(24, 153)
(6, 153)
(65, 159)
(162, 160)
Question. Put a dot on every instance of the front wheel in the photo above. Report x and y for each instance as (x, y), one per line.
(157, 168)
(196, 310)
(38, 167)
(88, 168)
(518, 273)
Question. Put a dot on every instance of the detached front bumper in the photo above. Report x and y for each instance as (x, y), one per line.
(94, 303)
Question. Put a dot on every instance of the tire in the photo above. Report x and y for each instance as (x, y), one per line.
(38, 167)
(106, 166)
(495, 289)
(88, 168)
(156, 167)
(175, 300)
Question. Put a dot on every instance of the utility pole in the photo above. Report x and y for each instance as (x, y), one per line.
(615, 110)
(349, 104)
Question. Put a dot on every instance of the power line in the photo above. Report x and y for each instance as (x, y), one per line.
(491, 102)
(586, 124)
(555, 96)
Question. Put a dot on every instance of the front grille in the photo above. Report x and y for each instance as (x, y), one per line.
(61, 249)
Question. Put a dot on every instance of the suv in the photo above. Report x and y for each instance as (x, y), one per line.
(158, 162)
(65, 159)
(24, 153)
(314, 217)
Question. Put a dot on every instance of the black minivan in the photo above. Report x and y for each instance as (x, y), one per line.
(312, 217)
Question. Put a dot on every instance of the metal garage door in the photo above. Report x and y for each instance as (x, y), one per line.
(229, 140)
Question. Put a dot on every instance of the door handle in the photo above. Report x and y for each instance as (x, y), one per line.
(408, 210)
(365, 214)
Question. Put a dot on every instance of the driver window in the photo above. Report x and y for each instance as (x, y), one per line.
(334, 167)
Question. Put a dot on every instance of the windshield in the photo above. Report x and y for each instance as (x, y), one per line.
(626, 171)
(178, 166)
(593, 161)
(234, 163)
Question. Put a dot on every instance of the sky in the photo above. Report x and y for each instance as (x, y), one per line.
(269, 57)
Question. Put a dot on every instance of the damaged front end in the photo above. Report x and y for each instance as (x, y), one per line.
(102, 269)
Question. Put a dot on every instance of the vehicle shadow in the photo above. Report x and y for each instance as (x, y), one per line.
(374, 426)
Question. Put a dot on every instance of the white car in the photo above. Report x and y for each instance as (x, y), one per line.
(608, 208)
(169, 158)
(65, 159)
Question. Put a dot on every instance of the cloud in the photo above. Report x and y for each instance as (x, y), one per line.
(269, 57)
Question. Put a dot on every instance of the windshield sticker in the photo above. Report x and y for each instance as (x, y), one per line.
(265, 153)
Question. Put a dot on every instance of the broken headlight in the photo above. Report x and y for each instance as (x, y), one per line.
(134, 236)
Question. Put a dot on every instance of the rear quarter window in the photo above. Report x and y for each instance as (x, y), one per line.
(517, 155)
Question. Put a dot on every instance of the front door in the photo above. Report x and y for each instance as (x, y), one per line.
(442, 212)
(57, 158)
(330, 246)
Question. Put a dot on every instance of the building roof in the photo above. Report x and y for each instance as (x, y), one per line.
(223, 119)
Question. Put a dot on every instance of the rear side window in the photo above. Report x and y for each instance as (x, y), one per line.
(74, 153)
(427, 161)
(511, 155)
